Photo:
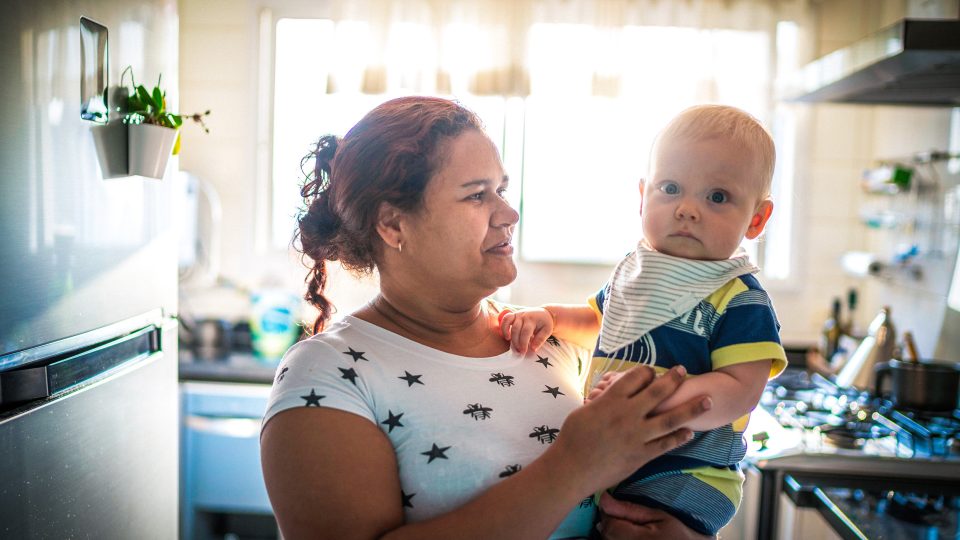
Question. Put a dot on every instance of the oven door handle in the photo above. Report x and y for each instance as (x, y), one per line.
(813, 497)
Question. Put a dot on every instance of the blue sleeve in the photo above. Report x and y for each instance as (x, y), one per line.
(748, 330)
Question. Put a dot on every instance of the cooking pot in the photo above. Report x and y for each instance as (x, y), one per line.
(923, 386)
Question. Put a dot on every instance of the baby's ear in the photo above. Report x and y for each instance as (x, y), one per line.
(643, 183)
(759, 220)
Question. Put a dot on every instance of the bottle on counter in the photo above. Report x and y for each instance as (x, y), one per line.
(830, 334)
(273, 322)
(878, 346)
(849, 325)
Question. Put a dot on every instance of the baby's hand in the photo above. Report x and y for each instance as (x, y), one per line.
(605, 381)
(526, 329)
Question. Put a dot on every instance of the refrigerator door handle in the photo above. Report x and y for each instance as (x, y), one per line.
(61, 374)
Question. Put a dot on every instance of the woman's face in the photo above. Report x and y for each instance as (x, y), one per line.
(459, 243)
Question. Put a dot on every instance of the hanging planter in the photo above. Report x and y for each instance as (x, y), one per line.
(110, 141)
(153, 132)
(148, 149)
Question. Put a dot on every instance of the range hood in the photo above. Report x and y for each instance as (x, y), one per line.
(913, 62)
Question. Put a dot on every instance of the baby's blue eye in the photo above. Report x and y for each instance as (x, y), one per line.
(718, 197)
(670, 188)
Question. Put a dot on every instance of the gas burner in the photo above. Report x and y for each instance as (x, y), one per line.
(795, 380)
(913, 508)
(852, 434)
(845, 437)
(927, 434)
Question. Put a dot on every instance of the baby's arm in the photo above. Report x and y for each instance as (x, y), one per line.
(527, 329)
(735, 391)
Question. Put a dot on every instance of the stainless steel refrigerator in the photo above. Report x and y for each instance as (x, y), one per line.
(88, 271)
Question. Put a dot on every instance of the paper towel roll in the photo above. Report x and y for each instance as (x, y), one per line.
(860, 263)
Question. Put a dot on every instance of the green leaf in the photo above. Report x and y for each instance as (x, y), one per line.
(176, 119)
(145, 97)
(158, 98)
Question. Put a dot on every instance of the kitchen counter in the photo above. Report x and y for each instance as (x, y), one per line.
(237, 367)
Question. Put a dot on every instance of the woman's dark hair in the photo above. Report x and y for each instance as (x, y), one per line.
(388, 156)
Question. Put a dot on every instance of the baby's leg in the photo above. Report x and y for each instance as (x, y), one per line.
(704, 499)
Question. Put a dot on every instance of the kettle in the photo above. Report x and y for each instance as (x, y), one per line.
(877, 347)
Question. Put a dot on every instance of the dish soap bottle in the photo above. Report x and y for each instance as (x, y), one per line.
(273, 322)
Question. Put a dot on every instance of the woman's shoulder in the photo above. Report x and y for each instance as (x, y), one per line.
(322, 371)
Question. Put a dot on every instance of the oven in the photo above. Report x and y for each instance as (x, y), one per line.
(826, 462)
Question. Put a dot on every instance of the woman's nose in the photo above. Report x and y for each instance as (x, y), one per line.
(505, 215)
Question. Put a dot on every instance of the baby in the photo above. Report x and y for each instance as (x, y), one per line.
(687, 296)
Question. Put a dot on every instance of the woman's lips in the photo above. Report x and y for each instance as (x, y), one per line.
(503, 248)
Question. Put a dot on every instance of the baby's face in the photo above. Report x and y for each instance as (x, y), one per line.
(701, 198)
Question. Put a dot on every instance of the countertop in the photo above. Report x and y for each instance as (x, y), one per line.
(237, 367)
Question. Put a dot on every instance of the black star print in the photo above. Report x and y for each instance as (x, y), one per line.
(282, 373)
(553, 341)
(544, 360)
(510, 469)
(356, 355)
(393, 420)
(312, 399)
(554, 391)
(349, 374)
(411, 378)
(436, 452)
(406, 498)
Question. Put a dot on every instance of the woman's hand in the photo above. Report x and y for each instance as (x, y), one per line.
(616, 433)
(621, 520)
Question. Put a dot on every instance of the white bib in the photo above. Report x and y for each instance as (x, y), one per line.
(649, 288)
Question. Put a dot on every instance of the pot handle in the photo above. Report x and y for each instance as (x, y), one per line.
(881, 370)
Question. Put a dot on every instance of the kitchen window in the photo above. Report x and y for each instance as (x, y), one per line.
(576, 135)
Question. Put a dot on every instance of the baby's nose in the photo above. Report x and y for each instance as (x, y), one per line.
(686, 210)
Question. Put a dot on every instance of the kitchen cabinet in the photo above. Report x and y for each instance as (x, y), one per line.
(222, 489)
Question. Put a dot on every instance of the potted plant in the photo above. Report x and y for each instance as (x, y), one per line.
(153, 131)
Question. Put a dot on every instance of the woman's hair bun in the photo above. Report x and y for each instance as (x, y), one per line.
(322, 155)
(319, 224)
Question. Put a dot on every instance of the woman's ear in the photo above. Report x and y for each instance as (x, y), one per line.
(759, 220)
(388, 224)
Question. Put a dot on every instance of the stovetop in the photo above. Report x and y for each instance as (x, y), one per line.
(915, 516)
(807, 423)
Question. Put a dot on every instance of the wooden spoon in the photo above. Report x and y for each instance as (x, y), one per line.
(912, 355)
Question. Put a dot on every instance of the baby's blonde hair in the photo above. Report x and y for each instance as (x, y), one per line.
(723, 121)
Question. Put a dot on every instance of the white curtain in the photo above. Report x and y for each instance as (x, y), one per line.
(523, 47)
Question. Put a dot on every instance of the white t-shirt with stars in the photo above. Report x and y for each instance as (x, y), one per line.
(457, 424)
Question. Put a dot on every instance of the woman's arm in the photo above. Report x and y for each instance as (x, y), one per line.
(332, 474)
(735, 391)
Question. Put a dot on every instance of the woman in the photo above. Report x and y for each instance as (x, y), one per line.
(412, 418)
